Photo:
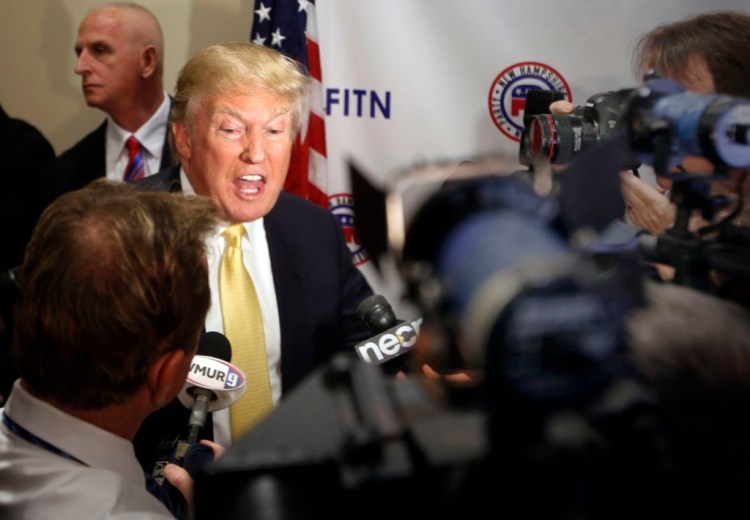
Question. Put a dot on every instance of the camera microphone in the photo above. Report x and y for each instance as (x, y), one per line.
(393, 338)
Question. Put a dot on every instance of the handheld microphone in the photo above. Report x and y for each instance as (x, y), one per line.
(393, 338)
(212, 383)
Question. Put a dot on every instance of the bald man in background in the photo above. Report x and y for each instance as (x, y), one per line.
(120, 50)
(120, 58)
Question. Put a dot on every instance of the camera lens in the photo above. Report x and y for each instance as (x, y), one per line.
(540, 138)
(556, 138)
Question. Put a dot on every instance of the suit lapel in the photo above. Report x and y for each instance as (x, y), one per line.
(166, 153)
(288, 280)
(95, 159)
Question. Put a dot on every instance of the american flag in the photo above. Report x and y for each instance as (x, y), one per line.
(290, 26)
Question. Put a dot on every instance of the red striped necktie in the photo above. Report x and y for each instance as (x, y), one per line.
(136, 169)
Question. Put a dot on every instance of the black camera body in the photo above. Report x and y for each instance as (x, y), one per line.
(557, 138)
(659, 124)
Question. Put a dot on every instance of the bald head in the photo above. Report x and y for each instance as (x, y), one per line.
(141, 25)
(120, 49)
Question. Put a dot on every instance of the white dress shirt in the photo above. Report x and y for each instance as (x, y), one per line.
(151, 136)
(258, 264)
(40, 484)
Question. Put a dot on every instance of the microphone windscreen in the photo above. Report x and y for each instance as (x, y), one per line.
(215, 344)
(376, 313)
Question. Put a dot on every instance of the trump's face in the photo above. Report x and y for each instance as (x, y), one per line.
(236, 150)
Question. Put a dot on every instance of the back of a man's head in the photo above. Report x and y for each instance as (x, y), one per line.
(112, 279)
(693, 350)
(691, 344)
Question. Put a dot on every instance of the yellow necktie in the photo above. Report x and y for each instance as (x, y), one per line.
(243, 327)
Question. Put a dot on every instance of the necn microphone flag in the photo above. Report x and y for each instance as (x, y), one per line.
(289, 26)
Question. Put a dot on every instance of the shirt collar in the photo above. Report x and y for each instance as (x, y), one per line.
(93, 446)
(151, 134)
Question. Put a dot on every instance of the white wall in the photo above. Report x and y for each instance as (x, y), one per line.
(37, 37)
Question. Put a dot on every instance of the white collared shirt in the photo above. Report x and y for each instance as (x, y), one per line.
(257, 261)
(151, 135)
(40, 484)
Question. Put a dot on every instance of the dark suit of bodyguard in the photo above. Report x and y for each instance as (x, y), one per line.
(82, 163)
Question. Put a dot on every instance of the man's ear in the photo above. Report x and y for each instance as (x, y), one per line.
(167, 376)
(148, 61)
(182, 140)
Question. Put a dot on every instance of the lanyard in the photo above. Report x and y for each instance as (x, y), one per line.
(151, 485)
(37, 441)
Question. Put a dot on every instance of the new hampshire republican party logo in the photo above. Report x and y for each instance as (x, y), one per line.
(507, 98)
(342, 206)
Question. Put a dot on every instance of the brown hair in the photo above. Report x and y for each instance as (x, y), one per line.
(721, 39)
(113, 278)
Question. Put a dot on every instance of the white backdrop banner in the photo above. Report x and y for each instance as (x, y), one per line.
(417, 81)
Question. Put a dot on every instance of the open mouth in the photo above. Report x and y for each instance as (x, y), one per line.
(250, 184)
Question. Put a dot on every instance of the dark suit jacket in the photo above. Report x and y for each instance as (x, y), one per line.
(318, 289)
(24, 150)
(81, 164)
